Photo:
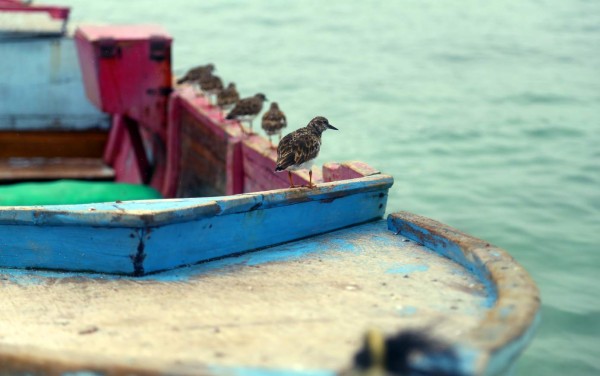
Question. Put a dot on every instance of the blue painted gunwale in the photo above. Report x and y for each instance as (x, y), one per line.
(514, 314)
(141, 237)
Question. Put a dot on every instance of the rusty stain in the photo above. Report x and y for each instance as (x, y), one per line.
(89, 330)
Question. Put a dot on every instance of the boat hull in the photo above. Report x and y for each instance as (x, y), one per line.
(297, 308)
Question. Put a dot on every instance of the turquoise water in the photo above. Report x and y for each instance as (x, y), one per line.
(487, 113)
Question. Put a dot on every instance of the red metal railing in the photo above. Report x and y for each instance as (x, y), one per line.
(55, 12)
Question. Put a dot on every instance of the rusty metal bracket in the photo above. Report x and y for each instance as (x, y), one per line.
(108, 48)
(159, 48)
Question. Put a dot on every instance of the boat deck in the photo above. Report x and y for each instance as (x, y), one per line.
(302, 305)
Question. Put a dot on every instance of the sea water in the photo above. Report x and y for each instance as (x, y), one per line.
(487, 114)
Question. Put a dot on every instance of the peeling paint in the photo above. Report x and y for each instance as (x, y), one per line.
(513, 300)
(407, 269)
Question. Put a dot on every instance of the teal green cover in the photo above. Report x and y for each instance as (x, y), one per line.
(73, 192)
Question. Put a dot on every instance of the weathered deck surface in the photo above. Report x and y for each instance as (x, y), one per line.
(302, 305)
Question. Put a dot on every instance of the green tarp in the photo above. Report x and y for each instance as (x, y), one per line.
(73, 192)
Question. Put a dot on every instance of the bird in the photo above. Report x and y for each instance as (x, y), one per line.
(228, 97)
(196, 73)
(273, 121)
(211, 85)
(247, 108)
(394, 355)
(298, 149)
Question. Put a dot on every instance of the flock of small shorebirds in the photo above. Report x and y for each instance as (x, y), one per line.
(295, 151)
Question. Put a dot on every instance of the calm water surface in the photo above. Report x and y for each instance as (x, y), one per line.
(486, 113)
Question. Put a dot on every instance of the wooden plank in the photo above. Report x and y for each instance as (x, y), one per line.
(203, 158)
(259, 162)
(225, 235)
(173, 146)
(19, 169)
(192, 230)
(52, 144)
(347, 170)
(39, 247)
(235, 168)
(120, 155)
(137, 146)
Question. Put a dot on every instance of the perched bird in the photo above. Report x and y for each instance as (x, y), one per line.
(211, 85)
(247, 109)
(228, 97)
(273, 121)
(196, 73)
(299, 149)
(394, 355)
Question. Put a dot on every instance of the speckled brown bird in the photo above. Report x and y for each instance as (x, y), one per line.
(247, 109)
(211, 85)
(196, 73)
(228, 97)
(395, 355)
(299, 149)
(273, 121)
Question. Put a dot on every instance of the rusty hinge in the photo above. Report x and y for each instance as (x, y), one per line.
(159, 48)
(163, 91)
(108, 48)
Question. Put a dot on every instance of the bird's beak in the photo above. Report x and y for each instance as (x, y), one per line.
(332, 127)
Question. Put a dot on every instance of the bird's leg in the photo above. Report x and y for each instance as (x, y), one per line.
(271, 142)
(242, 127)
(291, 180)
(310, 184)
(251, 126)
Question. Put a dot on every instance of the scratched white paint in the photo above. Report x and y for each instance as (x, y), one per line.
(41, 86)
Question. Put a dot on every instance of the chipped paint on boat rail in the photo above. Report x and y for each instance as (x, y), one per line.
(141, 237)
(514, 301)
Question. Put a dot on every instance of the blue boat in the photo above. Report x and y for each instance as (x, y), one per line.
(230, 272)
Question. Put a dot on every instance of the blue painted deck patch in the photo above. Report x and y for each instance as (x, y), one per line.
(247, 371)
(405, 311)
(407, 269)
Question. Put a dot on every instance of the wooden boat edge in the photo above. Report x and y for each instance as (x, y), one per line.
(151, 213)
(486, 350)
(512, 319)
